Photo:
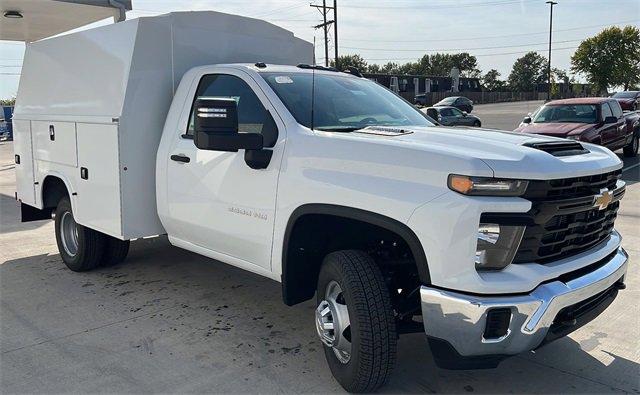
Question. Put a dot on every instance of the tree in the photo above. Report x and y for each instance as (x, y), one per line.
(467, 64)
(356, 61)
(492, 82)
(8, 102)
(611, 58)
(528, 71)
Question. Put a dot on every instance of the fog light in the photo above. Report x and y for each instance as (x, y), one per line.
(497, 245)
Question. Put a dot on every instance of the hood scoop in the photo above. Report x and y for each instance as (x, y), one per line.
(559, 148)
(388, 131)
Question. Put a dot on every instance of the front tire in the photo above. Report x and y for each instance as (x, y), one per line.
(631, 149)
(81, 248)
(355, 321)
(477, 124)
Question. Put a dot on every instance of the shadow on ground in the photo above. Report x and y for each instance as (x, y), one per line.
(172, 321)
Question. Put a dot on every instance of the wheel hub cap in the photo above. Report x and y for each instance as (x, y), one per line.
(333, 323)
(69, 232)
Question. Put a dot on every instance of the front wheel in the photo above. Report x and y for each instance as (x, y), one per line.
(631, 149)
(81, 248)
(355, 321)
(477, 124)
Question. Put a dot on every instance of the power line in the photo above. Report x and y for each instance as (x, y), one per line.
(487, 37)
(481, 55)
(432, 7)
(457, 49)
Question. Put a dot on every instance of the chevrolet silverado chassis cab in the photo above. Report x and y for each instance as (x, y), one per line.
(491, 243)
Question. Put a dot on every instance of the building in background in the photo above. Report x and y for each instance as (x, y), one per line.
(409, 86)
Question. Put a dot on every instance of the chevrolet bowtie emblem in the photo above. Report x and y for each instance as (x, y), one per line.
(603, 199)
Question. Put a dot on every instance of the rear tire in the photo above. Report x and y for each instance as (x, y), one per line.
(115, 251)
(631, 149)
(351, 282)
(81, 248)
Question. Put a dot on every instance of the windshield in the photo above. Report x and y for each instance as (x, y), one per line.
(572, 113)
(625, 95)
(341, 103)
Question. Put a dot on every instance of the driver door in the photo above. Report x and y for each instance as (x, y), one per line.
(216, 201)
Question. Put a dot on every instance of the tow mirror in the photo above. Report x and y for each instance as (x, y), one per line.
(216, 127)
(526, 119)
(610, 119)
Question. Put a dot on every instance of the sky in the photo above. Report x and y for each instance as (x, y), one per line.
(497, 32)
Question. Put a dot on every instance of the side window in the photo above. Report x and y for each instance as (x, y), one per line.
(617, 110)
(606, 111)
(252, 116)
(432, 113)
(456, 112)
(446, 112)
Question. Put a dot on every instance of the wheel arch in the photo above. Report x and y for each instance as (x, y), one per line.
(55, 187)
(298, 282)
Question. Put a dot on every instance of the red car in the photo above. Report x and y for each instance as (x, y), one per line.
(629, 100)
(595, 120)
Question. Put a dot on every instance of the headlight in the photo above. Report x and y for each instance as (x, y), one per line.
(573, 137)
(497, 245)
(486, 186)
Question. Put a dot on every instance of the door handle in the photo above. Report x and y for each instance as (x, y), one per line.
(181, 158)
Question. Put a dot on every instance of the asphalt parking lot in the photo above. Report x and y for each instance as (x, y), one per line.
(171, 321)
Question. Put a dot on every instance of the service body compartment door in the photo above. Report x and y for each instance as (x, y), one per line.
(55, 142)
(24, 155)
(97, 203)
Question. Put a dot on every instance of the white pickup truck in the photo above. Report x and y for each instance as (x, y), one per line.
(491, 243)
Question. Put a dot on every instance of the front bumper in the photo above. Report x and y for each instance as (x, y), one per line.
(460, 319)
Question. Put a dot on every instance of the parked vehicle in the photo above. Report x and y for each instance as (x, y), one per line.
(629, 100)
(420, 99)
(594, 120)
(4, 129)
(6, 125)
(451, 116)
(324, 181)
(459, 102)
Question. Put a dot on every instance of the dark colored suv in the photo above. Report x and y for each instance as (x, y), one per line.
(459, 102)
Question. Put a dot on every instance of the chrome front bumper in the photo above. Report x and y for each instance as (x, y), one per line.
(460, 319)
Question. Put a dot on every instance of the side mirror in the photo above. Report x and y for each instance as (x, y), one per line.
(611, 119)
(216, 127)
(464, 114)
(526, 119)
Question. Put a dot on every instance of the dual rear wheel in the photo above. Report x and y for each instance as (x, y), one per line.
(84, 249)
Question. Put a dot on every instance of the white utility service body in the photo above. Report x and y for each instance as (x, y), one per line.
(106, 93)
(386, 195)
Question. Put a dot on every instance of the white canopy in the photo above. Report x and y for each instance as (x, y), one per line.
(32, 20)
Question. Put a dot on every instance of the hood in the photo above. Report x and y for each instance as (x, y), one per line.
(504, 152)
(555, 129)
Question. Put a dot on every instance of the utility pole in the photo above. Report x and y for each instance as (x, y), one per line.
(551, 3)
(335, 32)
(325, 26)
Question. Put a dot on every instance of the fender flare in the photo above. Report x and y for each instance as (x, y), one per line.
(369, 217)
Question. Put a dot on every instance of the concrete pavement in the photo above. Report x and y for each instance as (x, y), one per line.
(171, 321)
(505, 116)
